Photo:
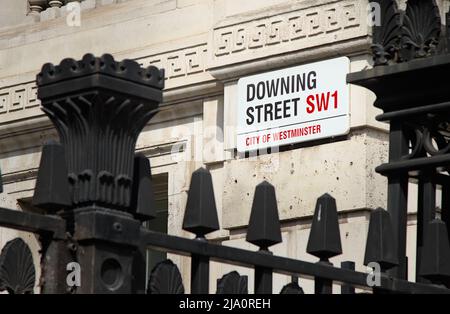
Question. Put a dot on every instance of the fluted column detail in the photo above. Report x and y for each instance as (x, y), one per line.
(99, 106)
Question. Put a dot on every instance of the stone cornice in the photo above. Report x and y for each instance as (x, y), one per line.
(196, 66)
(285, 31)
(354, 46)
(32, 119)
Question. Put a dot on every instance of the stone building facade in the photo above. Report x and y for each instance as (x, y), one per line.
(205, 46)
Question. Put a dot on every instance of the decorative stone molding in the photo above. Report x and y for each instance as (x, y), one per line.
(18, 97)
(238, 45)
(178, 65)
(261, 35)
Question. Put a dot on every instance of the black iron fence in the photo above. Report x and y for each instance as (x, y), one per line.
(96, 192)
(264, 231)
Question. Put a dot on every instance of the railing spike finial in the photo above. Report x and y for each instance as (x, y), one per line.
(52, 187)
(380, 245)
(142, 197)
(17, 271)
(232, 283)
(324, 239)
(200, 216)
(435, 264)
(165, 278)
(292, 288)
(264, 226)
(421, 29)
(406, 35)
(386, 35)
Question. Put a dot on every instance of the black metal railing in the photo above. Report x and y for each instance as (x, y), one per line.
(95, 192)
(323, 242)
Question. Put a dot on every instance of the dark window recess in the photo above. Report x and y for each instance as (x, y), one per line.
(158, 224)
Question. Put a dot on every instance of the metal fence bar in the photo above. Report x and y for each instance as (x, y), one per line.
(323, 285)
(401, 114)
(413, 164)
(398, 196)
(282, 265)
(446, 206)
(199, 274)
(426, 212)
(346, 288)
(32, 222)
(264, 231)
(263, 280)
(324, 239)
(200, 218)
(397, 207)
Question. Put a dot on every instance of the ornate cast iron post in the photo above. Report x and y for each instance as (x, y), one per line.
(99, 107)
(411, 61)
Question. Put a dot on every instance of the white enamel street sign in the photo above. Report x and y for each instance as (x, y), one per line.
(293, 105)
